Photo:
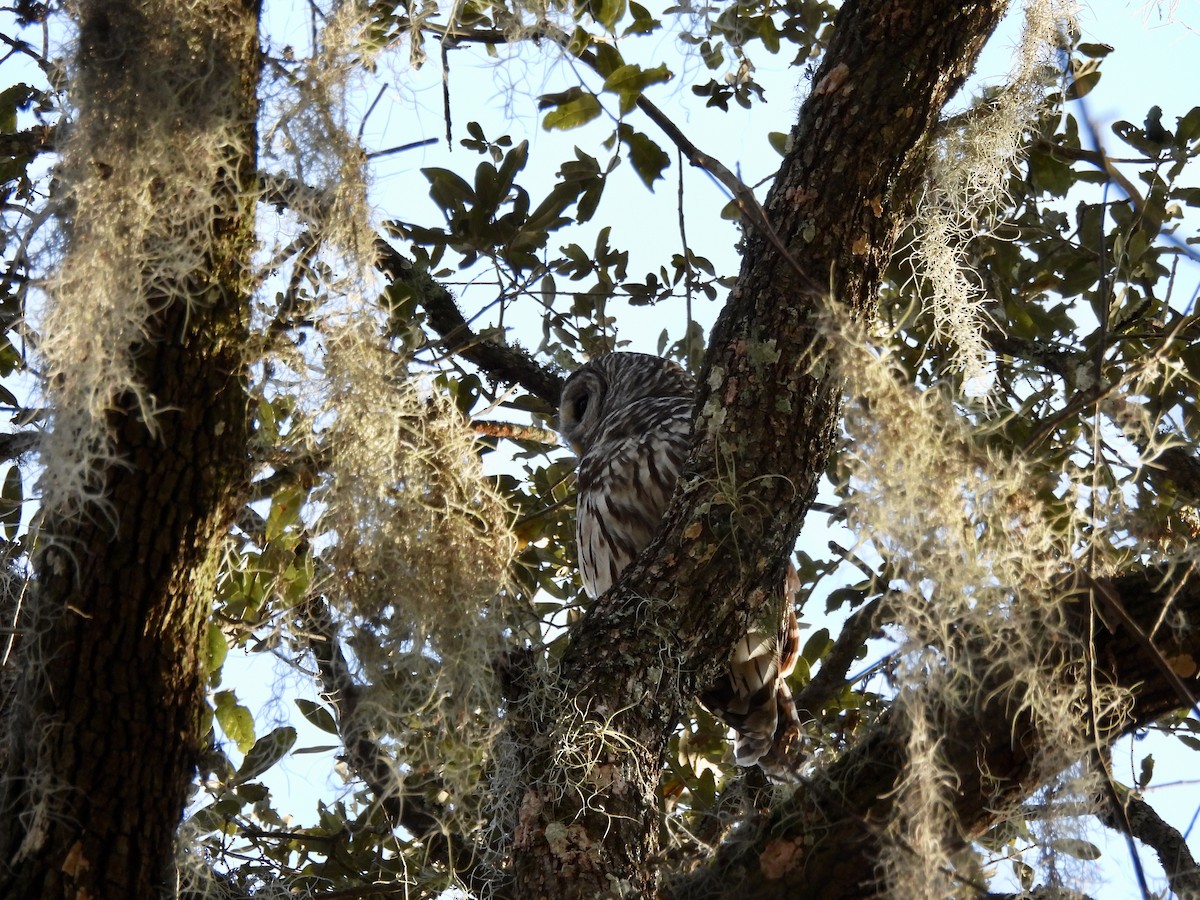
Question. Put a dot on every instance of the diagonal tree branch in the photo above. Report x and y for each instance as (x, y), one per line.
(500, 361)
(1164, 839)
(994, 765)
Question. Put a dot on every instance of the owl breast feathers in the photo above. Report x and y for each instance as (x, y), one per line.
(628, 417)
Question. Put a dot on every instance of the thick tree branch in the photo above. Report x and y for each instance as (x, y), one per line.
(1165, 840)
(829, 680)
(103, 728)
(514, 431)
(992, 749)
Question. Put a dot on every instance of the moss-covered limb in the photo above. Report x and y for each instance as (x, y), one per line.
(823, 843)
(1164, 839)
(106, 721)
(767, 410)
(499, 361)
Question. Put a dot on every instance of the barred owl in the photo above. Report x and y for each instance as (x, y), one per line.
(628, 417)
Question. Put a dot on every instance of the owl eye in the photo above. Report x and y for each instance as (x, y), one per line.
(580, 407)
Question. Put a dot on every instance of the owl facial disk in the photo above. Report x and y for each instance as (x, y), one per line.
(579, 409)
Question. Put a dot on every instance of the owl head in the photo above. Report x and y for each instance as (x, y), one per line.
(607, 391)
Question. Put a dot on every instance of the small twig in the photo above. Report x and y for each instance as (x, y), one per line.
(850, 557)
(515, 432)
(411, 145)
(831, 677)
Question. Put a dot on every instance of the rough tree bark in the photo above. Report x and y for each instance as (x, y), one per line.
(104, 723)
(766, 413)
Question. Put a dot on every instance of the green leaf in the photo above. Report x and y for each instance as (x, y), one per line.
(769, 34)
(514, 162)
(643, 22)
(630, 80)
(817, 645)
(1190, 196)
(841, 596)
(606, 12)
(267, 750)
(779, 141)
(1095, 51)
(317, 714)
(285, 510)
(608, 59)
(573, 113)
(1049, 174)
(1076, 848)
(1189, 125)
(10, 357)
(1147, 772)
(449, 190)
(1082, 86)
(713, 54)
(322, 748)
(648, 159)
(235, 720)
(11, 99)
(11, 498)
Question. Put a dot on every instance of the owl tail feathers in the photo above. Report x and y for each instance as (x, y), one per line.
(770, 735)
(753, 698)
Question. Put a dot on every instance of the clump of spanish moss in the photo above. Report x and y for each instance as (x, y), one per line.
(968, 179)
(412, 543)
(136, 190)
(977, 564)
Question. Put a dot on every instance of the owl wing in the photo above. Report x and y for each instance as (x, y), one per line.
(625, 485)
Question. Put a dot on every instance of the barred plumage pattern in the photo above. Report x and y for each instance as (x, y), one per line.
(628, 417)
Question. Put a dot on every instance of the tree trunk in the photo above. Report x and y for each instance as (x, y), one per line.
(766, 415)
(104, 725)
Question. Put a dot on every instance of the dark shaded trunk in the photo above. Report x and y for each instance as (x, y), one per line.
(104, 726)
